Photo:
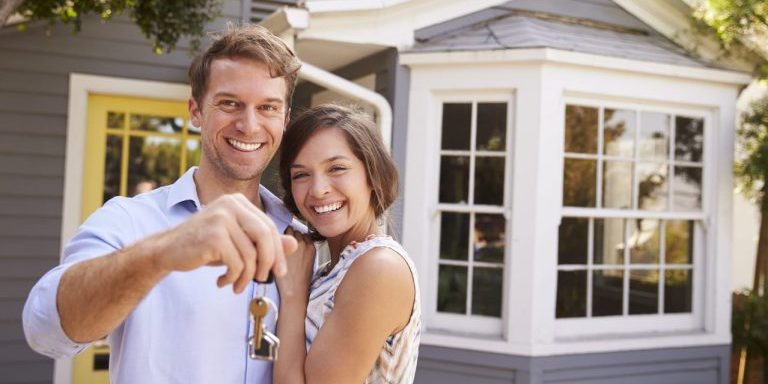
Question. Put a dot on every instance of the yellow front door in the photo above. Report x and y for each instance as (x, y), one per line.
(133, 145)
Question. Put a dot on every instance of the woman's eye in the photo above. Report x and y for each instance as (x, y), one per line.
(338, 168)
(297, 176)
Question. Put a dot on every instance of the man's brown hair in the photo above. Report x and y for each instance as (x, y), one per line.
(250, 42)
(362, 137)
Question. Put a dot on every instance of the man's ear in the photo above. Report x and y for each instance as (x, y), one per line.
(194, 112)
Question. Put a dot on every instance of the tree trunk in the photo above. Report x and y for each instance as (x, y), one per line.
(7, 8)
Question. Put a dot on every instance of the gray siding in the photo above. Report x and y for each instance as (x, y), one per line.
(34, 86)
(697, 365)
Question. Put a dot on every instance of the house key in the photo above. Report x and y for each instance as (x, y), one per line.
(263, 344)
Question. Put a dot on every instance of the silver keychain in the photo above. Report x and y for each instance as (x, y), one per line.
(263, 344)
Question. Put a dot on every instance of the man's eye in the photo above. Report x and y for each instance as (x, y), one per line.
(228, 103)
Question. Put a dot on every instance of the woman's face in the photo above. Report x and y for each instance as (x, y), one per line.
(330, 187)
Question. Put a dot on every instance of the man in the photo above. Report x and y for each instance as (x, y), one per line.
(148, 271)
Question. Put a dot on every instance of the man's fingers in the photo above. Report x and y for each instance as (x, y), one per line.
(247, 253)
(231, 259)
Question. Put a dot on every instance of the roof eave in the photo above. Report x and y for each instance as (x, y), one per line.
(550, 55)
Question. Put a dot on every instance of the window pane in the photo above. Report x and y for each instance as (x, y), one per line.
(678, 290)
(644, 241)
(619, 132)
(689, 138)
(617, 184)
(572, 244)
(454, 179)
(580, 129)
(492, 126)
(452, 289)
(489, 238)
(115, 120)
(579, 181)
(489, 180)
(652, 186)
(654, 136)
(487, 291)
(457, 125)
(155, 123)
(454, 236)
(153, 162)
(571, 294)
(686, 189)
(112, 160)
(609, 241)
(679, 242)
(607, 292)
(643, 292)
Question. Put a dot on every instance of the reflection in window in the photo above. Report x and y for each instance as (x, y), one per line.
(652, 186)
(609, 241)
(607, 292)
(654, 136)
(145, 151)
(689, 139)
(619, 133)
(571, 294)
(452, 289)
(454, 236)
(154, 161)
(579, 183)
(573, 242)
(642, 179)
(454, 179)
(581, 129)
(644, 274)
(472, 246)
(643, 292)
(617, 184)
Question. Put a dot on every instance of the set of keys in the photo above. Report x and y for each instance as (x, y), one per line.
(263, 344)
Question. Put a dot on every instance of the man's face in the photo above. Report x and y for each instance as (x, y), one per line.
(242, 116)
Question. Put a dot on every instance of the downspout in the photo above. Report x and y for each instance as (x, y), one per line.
(286, 22)
(350, 89)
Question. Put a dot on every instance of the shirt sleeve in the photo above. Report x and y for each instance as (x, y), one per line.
(105, 231)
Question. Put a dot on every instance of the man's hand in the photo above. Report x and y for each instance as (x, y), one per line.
(230, 231)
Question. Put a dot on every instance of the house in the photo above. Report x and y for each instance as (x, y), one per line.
(565, 170)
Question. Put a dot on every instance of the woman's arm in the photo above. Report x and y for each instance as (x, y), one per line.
(294, 294)
(374, 301)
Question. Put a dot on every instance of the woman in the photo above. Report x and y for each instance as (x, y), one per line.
(360, 322)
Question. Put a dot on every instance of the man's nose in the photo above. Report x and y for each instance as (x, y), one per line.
(249, 121)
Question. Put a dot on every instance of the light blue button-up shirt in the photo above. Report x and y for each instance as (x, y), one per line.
(186, 330)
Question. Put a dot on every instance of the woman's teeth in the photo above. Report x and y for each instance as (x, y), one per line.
(328, 208)
(244, 146)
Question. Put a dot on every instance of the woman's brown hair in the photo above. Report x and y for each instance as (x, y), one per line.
(362, 137)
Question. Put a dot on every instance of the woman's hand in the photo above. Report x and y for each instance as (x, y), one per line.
(297, 280)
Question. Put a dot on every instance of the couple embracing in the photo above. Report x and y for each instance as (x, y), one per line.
(153, 272)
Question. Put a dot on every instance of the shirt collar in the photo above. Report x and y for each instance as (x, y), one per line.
(184, 189)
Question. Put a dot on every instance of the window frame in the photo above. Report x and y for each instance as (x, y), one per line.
(450, 323)
(574, 328)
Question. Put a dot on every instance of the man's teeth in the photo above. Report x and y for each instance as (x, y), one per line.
(328, 208)
(244, 146)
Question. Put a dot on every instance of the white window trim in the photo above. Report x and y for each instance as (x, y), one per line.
(576, 328)
(80, 86)
(490, 328)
